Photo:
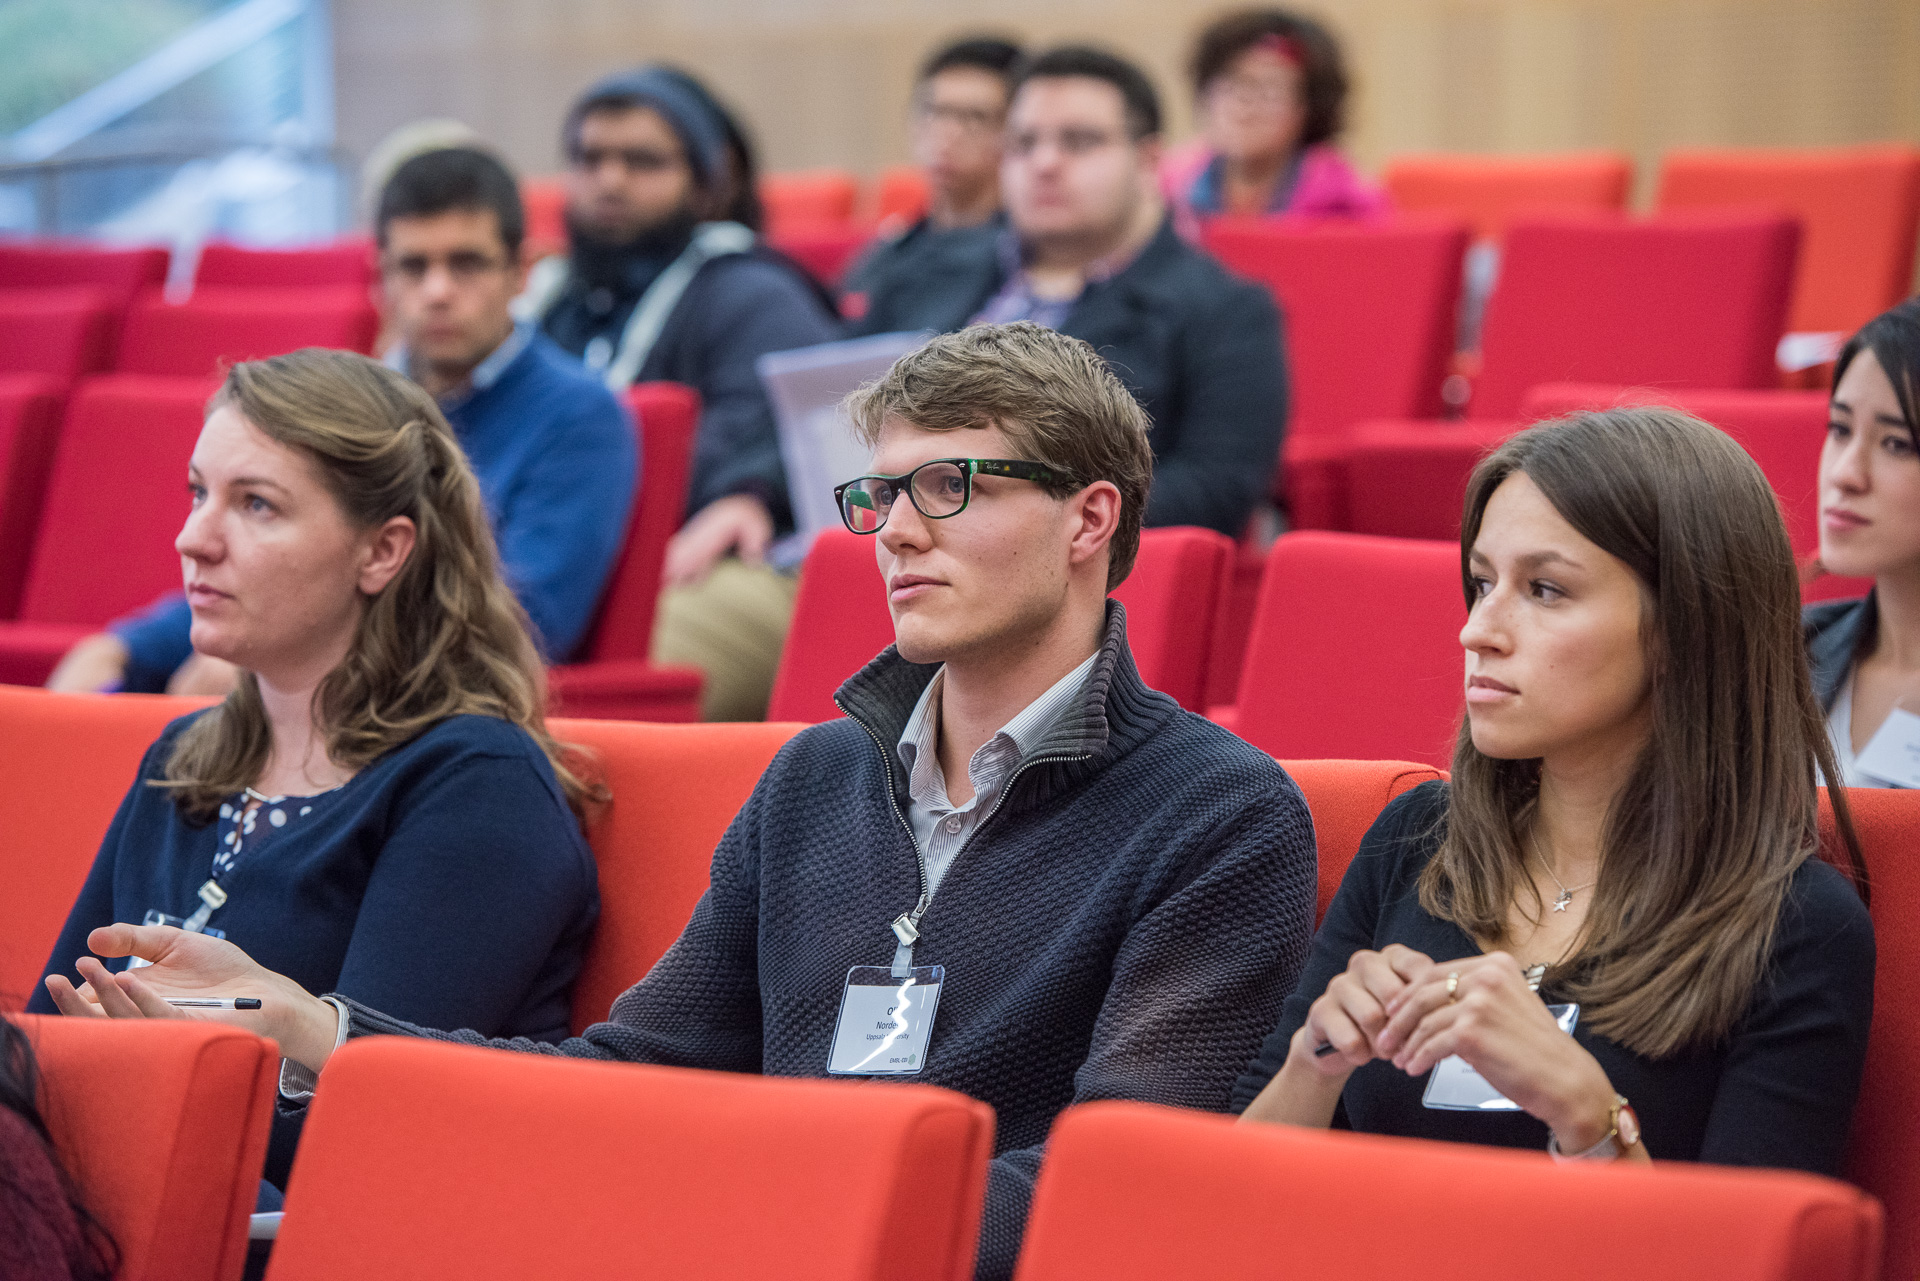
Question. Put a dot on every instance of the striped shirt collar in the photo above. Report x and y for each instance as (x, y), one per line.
(997, 758)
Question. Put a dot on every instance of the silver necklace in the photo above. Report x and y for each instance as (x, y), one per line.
(1566, 895)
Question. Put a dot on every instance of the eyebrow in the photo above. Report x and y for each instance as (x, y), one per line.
(1885, 420)
(1531, 560)
(260, 482)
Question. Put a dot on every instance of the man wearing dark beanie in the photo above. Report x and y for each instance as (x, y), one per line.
(658, 285)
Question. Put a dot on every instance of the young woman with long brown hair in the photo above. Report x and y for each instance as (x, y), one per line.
(377, 809)
(1630, 826)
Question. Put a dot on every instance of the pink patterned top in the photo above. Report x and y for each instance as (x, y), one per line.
(1321, 183)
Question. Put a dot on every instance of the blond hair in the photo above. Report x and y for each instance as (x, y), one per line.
(444, 638)
(1051, 396)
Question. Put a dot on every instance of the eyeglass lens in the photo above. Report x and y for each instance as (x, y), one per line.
(938, 489)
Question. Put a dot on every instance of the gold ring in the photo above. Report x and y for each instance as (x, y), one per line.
(1453, 986)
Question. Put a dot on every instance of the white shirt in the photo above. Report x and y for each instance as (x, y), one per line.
(1840, 733)
(940, 827)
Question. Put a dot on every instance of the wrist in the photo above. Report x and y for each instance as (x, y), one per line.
(307, 1031)
(1583, 1114)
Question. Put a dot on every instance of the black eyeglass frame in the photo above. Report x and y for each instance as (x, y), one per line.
(1015, 468)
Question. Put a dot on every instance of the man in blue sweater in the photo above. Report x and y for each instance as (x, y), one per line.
(553, 449)
(1112, 894)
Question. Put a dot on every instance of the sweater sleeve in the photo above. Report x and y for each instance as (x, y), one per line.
(755, 308)
(1233, 409)
(1792, 1074)
(1351, 924)
(483, 877)
(568, 518)
(700, 1004)
(158, 640)
(1195, 984)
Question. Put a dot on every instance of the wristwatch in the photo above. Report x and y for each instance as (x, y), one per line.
(1623, 1133)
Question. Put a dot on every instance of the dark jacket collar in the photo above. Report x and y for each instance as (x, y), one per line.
(1838, 633)
(1116, 713)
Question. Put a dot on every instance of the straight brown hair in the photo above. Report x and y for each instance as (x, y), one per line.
(1700, 846)
(445, 638)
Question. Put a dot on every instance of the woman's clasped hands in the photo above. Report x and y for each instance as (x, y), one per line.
(195, 966)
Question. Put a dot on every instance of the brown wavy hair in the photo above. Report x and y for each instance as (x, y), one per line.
(1700, 846)
(444, 638)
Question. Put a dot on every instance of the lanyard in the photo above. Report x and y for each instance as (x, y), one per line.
(212, 896)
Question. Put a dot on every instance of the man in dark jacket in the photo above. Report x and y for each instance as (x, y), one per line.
(654, 286)
(1113, 894)
(1090, 251)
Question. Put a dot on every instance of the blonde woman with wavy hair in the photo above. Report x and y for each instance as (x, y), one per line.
(1611, 934)
(377, 809)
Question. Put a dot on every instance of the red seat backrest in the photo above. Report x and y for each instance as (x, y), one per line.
(901, 194)
(1885, 1156)
(424, 1159)
(65, 332)
(825, 250)
(171, 1169)
(1134, 1191)
(675, 789)
(807, 196)
(29, 428)
(1321, 679)
(115, 500)
(347, 262)
(841, 621)
(1859, 209)
(221, 326)
(545, 200)
(57, 811)
(1491, 191)
(1344, 798)
(121, 272)
(667, 417)
(1679, 301)
(1369, 311)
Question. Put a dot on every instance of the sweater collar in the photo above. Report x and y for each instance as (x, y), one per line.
(1115, 712)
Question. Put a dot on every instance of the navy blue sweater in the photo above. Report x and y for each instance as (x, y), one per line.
(447, 881)
(555, 456)
(1124, 925)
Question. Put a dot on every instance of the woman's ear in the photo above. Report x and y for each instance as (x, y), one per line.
(386, 553)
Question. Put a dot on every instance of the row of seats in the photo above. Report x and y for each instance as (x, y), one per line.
(420, 1158)
(439, 1187)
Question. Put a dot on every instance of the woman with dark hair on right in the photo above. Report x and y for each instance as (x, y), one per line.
(1866, 652)
(45, 1233)
(1270, 95)
(1627, 850)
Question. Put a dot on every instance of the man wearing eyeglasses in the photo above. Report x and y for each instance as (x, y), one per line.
(959, 118)
(658, 283)
(1012, 869)
(551, 446)
(1088, 249)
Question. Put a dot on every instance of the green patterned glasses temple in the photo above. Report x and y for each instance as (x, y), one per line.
(937, 489)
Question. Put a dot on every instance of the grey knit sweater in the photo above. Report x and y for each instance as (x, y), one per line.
(1124, 926)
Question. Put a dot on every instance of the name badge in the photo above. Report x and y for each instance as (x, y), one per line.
(1455, 1087)
(885, 1022)
(1893, 753)
(156, 917)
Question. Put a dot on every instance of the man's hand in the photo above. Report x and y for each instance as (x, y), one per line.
(196, 965)
(739, 523)
(203, 676)
(97, 662)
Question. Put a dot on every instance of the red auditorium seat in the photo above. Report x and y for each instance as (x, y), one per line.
(841, 621)
(901, 196)
(826, 250)
(163, 1126)
(615, 680)
(1783, 430)
(1130, 1192)
(1491, 191)
(29, 426)
(221, 326)
(1344, 798)
(115, 501)
(347, 262)
(121, 272)
(1859, 210)
(65, 332)
(1369, 322)
(602, 1170)
(1885, 1154)
(807, 197)
(546, 205)
(1317, 681)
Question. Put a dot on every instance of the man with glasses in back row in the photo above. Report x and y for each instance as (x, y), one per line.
(553, 449)
(1013, 869)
